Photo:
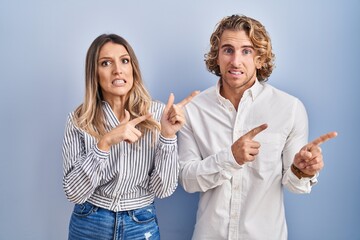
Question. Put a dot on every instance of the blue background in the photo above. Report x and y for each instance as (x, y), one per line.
(43, 46)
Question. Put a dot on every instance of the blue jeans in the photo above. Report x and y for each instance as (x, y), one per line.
(91, 222)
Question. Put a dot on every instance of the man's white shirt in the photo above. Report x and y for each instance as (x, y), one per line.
(242, 201)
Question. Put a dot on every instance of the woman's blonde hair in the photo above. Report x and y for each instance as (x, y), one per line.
(89, 116)
(258, 36)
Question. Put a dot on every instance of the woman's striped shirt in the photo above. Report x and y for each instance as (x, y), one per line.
(127, 177)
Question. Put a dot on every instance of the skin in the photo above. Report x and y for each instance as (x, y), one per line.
(116, 80)
(238, 62)
(310, 159)
(115, 76)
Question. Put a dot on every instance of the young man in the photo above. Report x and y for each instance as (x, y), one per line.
(244, 140)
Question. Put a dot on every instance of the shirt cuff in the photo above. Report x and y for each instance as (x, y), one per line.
(100, 153)
(167, 140)
(96, 162)
(226, 160)
(305, 180)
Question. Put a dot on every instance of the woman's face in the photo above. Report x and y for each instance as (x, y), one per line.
(115, 71)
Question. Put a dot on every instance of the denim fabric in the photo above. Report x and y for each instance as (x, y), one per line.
(91, 222)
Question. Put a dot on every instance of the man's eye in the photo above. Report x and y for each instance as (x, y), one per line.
(247, 51)
(105, 63)
(228, 50)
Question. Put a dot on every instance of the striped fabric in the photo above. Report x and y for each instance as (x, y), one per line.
(127, 177)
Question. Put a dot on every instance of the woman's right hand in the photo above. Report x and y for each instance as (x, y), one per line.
(126, 131)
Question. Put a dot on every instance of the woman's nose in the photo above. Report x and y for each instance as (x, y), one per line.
(117, 68)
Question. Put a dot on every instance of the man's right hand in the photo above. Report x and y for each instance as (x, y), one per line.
(245, 148)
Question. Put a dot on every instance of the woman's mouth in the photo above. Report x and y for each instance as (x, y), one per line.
(118, 82)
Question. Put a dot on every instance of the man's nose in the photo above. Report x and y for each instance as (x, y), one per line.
(236, 59)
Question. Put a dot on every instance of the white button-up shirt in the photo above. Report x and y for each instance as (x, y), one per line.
(242, 201)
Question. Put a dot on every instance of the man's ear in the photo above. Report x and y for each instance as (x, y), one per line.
(258, 62)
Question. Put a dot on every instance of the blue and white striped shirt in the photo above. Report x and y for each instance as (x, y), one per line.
(127, 177)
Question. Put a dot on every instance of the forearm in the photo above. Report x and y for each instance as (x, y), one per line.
(297, 138)
(200, 175)
(83, 174)
(298, 185)
(164, 177)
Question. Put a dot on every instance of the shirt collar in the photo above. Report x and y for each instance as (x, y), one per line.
(255, 89)
(223, 101)
(109, 114)
(253, 92)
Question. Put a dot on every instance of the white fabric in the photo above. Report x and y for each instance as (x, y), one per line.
(242, 201)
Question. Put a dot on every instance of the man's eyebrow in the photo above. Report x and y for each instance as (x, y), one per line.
(248, 46)
(229, 45)
(226, 45)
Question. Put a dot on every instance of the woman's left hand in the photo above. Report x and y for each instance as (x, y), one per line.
(173, 116)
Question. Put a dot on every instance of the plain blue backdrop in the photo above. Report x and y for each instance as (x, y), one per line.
(43, 46)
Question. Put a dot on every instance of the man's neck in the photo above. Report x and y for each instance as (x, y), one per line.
(234, 95)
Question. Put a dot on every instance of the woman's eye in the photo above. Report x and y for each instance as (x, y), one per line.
(105, 63)
(125, 60)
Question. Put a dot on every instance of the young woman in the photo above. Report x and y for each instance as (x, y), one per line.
(119, 149)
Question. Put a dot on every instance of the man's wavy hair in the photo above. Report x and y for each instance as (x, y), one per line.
(258, 36)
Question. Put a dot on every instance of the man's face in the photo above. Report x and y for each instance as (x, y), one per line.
(237, 61)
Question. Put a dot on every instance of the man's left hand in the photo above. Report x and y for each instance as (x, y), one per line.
(309, 159)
